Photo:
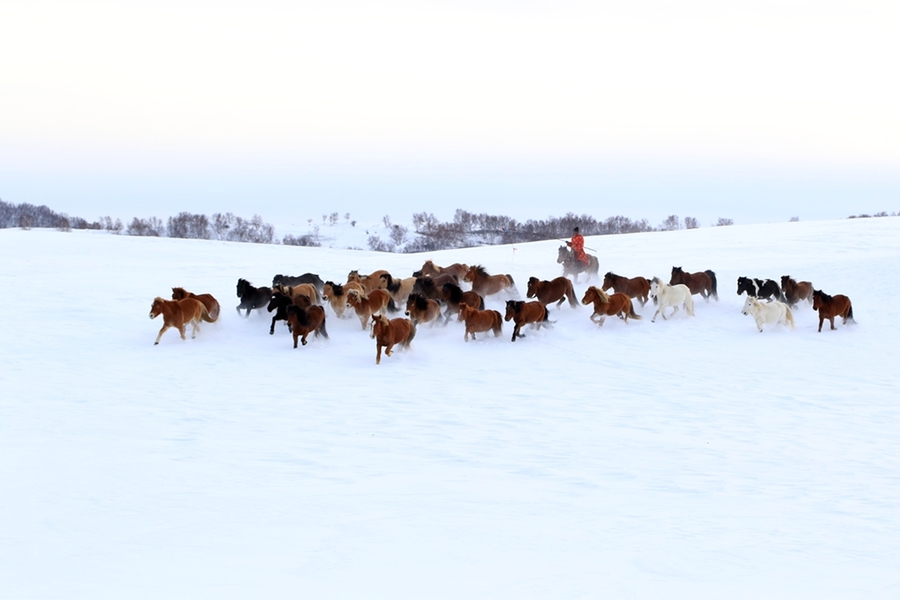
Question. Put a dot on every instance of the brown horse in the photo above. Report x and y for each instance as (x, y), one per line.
(572, 266)
(556, 290)
(522, 313)
(422, 310)
(178, 313)
(795, 291)
(211, 304)
(306, 320)
(618, 304)
(388, 333)
(830, 307)
(701, 282)
(478, 321)
(636, 287)
(454, 296)
(485, 284)
(432, 270)
(369, 282)
(366, 305)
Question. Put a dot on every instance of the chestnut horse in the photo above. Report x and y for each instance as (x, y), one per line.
(306, 320)
(551, 291)
(301, 289)
(366, 305)
(566, 257)
(432, 270)
(522, 313)
(422, 310)
(388, 333)
(454, 296)
(369, 282)
(604, 305)
(211, 304)
(478, 321)
(830, 307)
(178, 313)
(485, 284)
(702, 282)
(795, 291)
(251, 297)
(636, 287)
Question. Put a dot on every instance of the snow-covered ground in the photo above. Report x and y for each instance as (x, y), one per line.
(689, 458)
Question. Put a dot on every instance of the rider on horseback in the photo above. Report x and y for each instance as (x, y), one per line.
(577, 246)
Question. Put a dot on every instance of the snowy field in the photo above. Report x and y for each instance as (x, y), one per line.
(689, 458)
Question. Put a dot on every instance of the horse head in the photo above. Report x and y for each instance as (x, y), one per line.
(532, 287)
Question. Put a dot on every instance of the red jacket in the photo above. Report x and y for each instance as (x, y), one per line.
(577, 245)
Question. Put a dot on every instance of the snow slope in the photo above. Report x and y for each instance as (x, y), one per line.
(689, 458)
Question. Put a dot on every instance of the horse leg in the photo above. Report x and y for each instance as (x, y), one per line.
(602, 320)
(377, 353)
(831, 318)
(272, 328)
(161, 331)
(389, 349)
(195, 329)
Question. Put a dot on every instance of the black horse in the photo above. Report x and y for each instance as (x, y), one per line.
(251, 297)
(767, 289)
(279, 302)
(289, 281)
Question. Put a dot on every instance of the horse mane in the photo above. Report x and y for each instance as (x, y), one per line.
(426, 282)
(612, 275)
(518, 304)
(392, 285)
(337, 288)
(421, 301)
(455, 292)
(825, 297)
(677, 270)
(480, 270)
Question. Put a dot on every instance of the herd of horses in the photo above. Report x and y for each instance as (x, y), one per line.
(433, 295)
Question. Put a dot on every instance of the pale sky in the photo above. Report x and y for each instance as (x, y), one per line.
(758, 111)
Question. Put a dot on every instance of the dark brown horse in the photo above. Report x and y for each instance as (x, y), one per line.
(572, 266)
(485, 284)
(522, 313)
(288, 280)
(304, 321)
(604, 305)
(795, 291)
(211, 304)
(830, 307)
(178, 313)
(636, 287)
(422, 310)
(432, 270)
(454, 296)
(478, 321)
(388, 333)
(556, 290)
(702, 282)
(431, 287)
(251, 297)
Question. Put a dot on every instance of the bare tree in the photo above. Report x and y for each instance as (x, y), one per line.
(691, 223)
(723, 222)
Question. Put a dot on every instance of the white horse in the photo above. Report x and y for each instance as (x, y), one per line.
(768, 312)
(670, 295)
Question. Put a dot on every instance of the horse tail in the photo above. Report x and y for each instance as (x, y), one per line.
(850, 318)
(212, 315)
(480, 302)
(713, 290)
(412, 334)
(632, 314)
(789, 317)
(511, 282)
(322, 327)
(392, 306)
(498, 323)
(570, 292)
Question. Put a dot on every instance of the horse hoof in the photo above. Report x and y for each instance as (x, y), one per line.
(156, 343)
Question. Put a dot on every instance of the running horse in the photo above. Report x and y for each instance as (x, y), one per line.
(566, 257)
(702, 282)
(830, 307)
(484, 284)
(635, 287)
(211, 304)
